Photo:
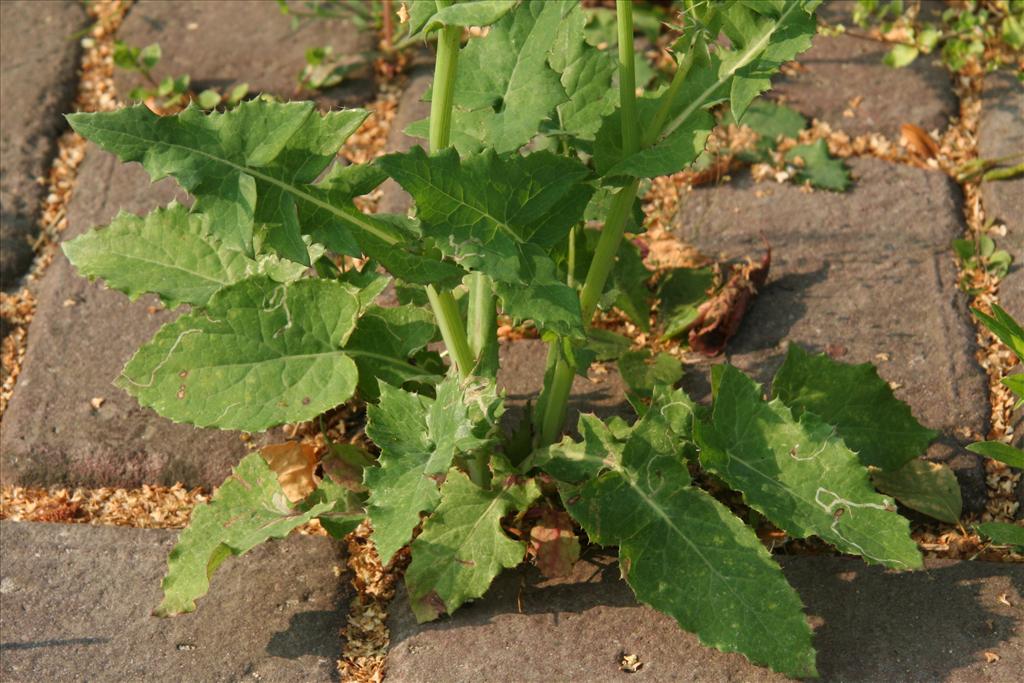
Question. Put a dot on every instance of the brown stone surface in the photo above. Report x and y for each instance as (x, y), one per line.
(521, 374)
(39, 59)
(410, 108)
(861, 273)
(80, 338)
(77, 601)
(870, 625)
(223, 43)
(1001, 134)
(838, 69)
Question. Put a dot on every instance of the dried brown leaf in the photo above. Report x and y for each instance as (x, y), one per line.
(295, 464)
(719, 318)
(918, 141)
(554, 543)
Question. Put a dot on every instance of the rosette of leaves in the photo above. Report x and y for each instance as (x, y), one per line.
(280, 329)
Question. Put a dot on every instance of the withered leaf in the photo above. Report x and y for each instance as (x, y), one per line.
(719, 318)
(918, 141)
(554, 543)
(294, 464)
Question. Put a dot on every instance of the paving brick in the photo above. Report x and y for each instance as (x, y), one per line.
(77, 601)
(411, 107)
(870, 625)
(837, 69)
(1001, 134)
(40, 58)
(223, 43)
(862, 273)
(80, 338)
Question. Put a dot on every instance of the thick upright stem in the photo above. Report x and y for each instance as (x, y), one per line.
(627, 77)
(446, 310)
(556, 398)
(482, 324)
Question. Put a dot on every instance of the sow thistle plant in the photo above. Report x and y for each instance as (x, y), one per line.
(533, 132)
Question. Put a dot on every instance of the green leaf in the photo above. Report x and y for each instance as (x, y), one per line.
(464, 13)
(1005, 327)
(626, 286)
(463, 547)
(685, 554)
(771, 121)
(819, 168)
(928, 487)
(170, 253)
(208, 99)
(419, 437)
(585, 74)
(800, 475)
(503, 85)
(1003, 452)
(260, 354)
(255, 164)
(1003, 533)
(607, 345)
(501, 215)
(643, 371)
(900, 56)
(872, 422)
(763, 41)
(247, 509)
(575, 462)
(383, 342)
(667, 155)
(682, 292)
(149, 56)
(345, 513)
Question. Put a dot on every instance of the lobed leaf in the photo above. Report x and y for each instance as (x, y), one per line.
(586, 76)
(819, 168)
(463, 547)
(383, 342)
(800, 474)
(424, 16)
(867, 416)
(419, 438)
(260, 354)
(503, 85)
(249, 508)
(254, 164)
(170, 253)
(685, 554)
(501, 215)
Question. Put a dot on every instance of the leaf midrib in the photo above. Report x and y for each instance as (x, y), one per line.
(354, 217)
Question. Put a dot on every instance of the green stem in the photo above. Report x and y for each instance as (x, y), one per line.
(444, 86)
(556, 394)
(658, 122)
(627, 78)
(482, 324)
(446, 310)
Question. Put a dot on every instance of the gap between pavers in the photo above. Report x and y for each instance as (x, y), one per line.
(223, 43)
(81, 336)
(860, 273)
(870, 625)
(77, 601)
(39, 54)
